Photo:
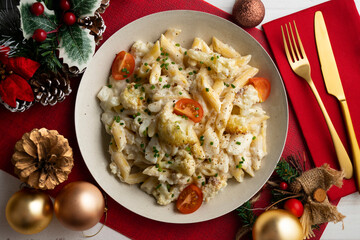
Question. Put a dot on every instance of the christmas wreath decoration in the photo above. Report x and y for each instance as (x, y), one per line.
(42, 44)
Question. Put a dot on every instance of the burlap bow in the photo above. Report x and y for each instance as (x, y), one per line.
(317, 208)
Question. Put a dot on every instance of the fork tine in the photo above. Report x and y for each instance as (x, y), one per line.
(290, 43)
(294, 41)
(286, 46)
(299, 41)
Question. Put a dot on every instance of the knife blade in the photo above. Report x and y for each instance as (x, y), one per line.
(334, 86)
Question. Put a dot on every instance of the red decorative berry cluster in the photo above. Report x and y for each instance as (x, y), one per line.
(68, 18)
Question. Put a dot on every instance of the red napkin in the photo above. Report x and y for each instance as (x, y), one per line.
(61, 118)
(343, 24)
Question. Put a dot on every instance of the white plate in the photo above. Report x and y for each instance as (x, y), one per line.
(93, 141)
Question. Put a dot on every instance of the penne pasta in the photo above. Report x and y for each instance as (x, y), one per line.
(187, 116)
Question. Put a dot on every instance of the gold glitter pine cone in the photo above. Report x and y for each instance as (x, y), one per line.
(43, 158)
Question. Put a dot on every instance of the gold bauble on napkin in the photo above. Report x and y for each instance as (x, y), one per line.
(79, 205)
(29, 211)
(43, 158)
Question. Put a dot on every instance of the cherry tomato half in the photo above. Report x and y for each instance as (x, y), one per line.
(190, 108)
(262, 85)
(190, 199)
(294, 206)
(123, 65)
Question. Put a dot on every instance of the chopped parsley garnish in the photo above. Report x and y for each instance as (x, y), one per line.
(238, 143)
(207, 89)
(117, 119)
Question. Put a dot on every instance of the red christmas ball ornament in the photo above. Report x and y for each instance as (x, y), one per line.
(283, 186)
(294, 206)
(65, 5)
(37, 9)
(69, 18)
(39, 35)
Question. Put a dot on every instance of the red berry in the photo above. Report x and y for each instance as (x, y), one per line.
(294, 206)
(65, 5)
(39, 35)
(37, 9)
(69, 18)
(283, 186)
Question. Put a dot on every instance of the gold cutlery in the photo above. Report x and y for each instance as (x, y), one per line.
(299, 63)
(333, 85)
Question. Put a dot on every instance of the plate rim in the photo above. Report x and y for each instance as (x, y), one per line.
(107, 42)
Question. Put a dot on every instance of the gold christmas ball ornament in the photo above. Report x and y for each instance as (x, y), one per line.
(248, 13)
(79, 205)
(277, 224)
(29, 211)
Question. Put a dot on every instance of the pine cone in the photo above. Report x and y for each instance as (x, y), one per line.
(21, 105)
(95, 24)
(50, 88)
(43, 158)
(104, 4)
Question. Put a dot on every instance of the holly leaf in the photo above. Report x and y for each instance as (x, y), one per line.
(77, 46)
(30, 22)
(84, 8)
(49, 4)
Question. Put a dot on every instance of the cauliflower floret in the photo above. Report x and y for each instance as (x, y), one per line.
(246, 98)
(241, 124)
(173, 129)
(161, 174)
(132, 97)
(140, 48)
(184, 163)
(214, 185)
(153, 151)
(165, 194)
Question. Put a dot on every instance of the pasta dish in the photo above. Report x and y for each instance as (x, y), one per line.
(184, 121)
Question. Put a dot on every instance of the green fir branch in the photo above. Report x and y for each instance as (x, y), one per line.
(246, 214)
(286, 172)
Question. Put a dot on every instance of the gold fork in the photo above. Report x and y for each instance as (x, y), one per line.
(299, 63)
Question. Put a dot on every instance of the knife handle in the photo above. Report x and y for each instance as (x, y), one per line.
(342, 156)
(353, 142)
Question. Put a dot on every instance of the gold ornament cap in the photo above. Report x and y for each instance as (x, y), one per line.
(277, 224)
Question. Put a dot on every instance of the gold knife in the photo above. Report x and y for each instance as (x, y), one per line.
(334, 86)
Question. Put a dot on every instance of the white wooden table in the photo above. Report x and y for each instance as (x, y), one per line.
(349, 205)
